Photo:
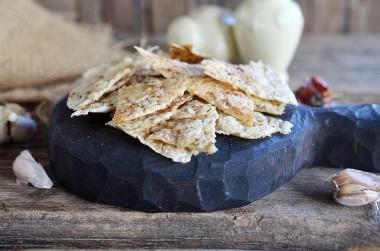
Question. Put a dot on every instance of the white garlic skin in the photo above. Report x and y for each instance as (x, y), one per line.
(16, 124)
(355, 188)
(27, 170)
(209, 29)
(23, 129)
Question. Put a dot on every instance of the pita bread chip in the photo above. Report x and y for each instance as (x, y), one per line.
(254, 79)
(106, 104)
(185, 53)
(193, 127)
(139, 127)
(170, 68)
(263, 126)
(170, 151)
(143, 67)
(268, 106)
(88, 77)
(141, 99)
(227, 99)
(89, 92)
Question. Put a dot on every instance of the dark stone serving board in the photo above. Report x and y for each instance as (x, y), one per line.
(103, 164)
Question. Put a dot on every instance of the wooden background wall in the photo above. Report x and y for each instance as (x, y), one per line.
(322, 16)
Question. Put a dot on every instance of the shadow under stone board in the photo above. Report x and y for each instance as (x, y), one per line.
(103, 164)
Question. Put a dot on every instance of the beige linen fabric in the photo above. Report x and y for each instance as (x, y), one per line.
(39, 50)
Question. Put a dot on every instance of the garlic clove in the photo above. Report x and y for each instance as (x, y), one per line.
(16, 124)
(27, 170)
(209, 29)
(355, 188)
(23, 129)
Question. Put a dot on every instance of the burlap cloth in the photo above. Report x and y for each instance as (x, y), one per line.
(41, 54)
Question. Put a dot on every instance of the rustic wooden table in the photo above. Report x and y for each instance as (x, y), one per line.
(300, 215)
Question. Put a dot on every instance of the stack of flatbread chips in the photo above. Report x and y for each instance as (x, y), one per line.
(176, 105)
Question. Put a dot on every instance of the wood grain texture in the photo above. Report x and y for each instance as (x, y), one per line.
(350, 63)
(308, 13)
(321, 16)
(164, 11)
(123, 14)
(364, 16)
(300, 215)
(65, 8)
(90, 11)
(328, 16)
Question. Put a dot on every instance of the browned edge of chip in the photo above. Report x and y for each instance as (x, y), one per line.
(185, 53)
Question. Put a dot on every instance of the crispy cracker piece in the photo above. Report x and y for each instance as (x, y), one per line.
(263, 126)
(143, 67)
(268, 106)
(139, 127)
(106, 104)
(80, 85)
(111, 79)
(227, 99)
(185, 53)
(170, 151)
(192, 127)
(140, 99)
(254, 79)
(170, 68)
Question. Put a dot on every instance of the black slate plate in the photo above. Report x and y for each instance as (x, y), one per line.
(105, 165)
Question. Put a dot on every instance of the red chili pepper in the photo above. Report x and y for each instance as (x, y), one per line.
(314, 92)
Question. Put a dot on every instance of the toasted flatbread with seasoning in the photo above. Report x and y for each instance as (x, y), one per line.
(139, 127)
(113, 77)
(268, 106)
(227, 99)
(186, 53)
(171, 68)
(90, 76)
(263, 126)
(169, 151)
(140, 99)
(176, 105)
(143, 67)
(254, 79)
(192, 127)
(106, 104)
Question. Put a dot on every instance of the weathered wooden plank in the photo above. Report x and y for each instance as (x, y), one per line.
(90, 11)
(329, 16)
(308, 13)
(65, 8)
(301, 214)
(164, 11)
(350, 64)
(213, 2)
(321, 16)
(364, 16)
(231, 4)
(123, 14)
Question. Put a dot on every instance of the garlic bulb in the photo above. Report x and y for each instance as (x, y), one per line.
(209, 29)
(355, 188)
(27, 170)
(16, 125)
